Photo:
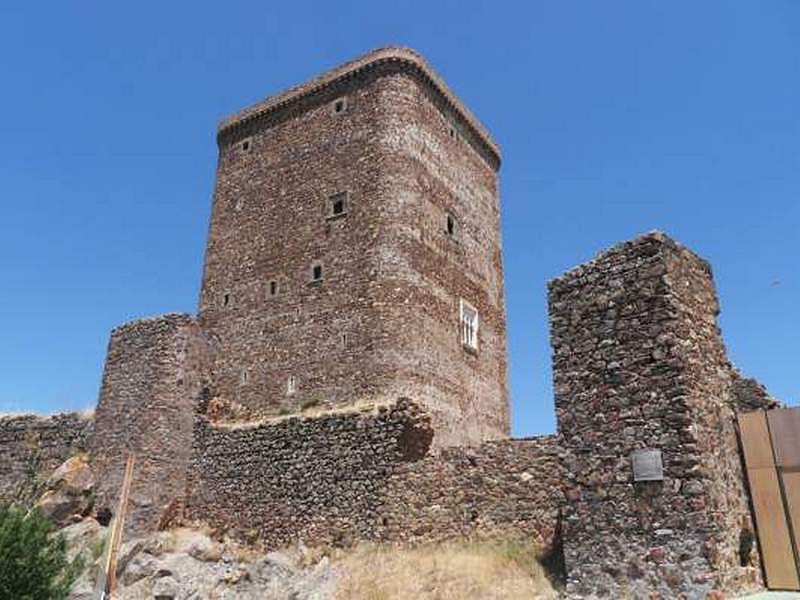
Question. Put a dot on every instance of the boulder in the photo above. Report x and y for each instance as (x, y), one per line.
(69, 492)
(74, 476)
(165, 588)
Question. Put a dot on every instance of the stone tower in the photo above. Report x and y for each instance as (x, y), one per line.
(354, 251)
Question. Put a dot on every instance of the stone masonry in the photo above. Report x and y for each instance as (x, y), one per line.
(417, 233)
(152, 383)
(345, 377)
(369, 473)
(32, 447)
(639, 363)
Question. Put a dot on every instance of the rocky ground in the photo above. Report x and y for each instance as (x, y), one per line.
(186, 564)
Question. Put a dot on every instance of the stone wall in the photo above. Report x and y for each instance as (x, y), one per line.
(368, 474)
(507, 489)
(319, 479)
(152, 383)
(383, 320)
(638, 362)
(749, 394)
(33, 446)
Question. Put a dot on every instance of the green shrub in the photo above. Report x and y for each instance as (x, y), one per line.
(33, 563)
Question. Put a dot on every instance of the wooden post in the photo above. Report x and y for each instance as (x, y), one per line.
(118, 528)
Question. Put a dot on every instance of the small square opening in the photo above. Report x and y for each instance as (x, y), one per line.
(316, 272)
(246, 145)
(339, 106)
(338, 204)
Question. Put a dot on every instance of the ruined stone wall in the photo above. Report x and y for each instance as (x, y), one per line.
(353, 475)
(749, 394)
(508, 489)
(638, 362)
(383, 321)
(33, 446)
(719, 489)
(152, 383)
(319, 479)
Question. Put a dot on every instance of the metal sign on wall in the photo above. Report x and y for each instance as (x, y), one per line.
(647, 465)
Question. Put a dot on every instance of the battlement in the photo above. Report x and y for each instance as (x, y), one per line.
(404, 59)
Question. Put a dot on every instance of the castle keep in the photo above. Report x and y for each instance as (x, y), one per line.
(354, 251)
(345, 377)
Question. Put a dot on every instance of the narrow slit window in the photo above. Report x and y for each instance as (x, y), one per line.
(316, 272)
(226, 299)
(339, 105)
(246, 145)
(245, 377)
(273, 288)
(469, 326)
(291, 385)
(450, 225)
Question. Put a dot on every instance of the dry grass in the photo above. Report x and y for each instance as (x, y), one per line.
(313, 409)
(455, 571)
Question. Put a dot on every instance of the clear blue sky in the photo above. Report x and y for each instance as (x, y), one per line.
(614, 118)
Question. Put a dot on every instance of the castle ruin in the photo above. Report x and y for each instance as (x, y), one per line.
(345, 376)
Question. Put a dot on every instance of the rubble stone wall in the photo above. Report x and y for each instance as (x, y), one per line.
(152, 383)
(33, 446)
(638, 362)
(749, 394)
(371, 474)
(504, 488)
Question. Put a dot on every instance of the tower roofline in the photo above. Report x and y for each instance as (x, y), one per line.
(409, 59)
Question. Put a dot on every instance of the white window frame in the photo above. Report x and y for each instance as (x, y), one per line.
(469, 321)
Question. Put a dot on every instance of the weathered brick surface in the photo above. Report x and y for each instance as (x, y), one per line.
(638, 362)
(369, 475)
(152, 383)
(32, 447)
(384, 321)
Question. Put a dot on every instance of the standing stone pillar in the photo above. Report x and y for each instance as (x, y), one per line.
(639, 365)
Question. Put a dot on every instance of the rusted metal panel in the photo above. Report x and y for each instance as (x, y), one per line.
(755, 440)
(791, 490)
(784, 426)
(773, 530)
